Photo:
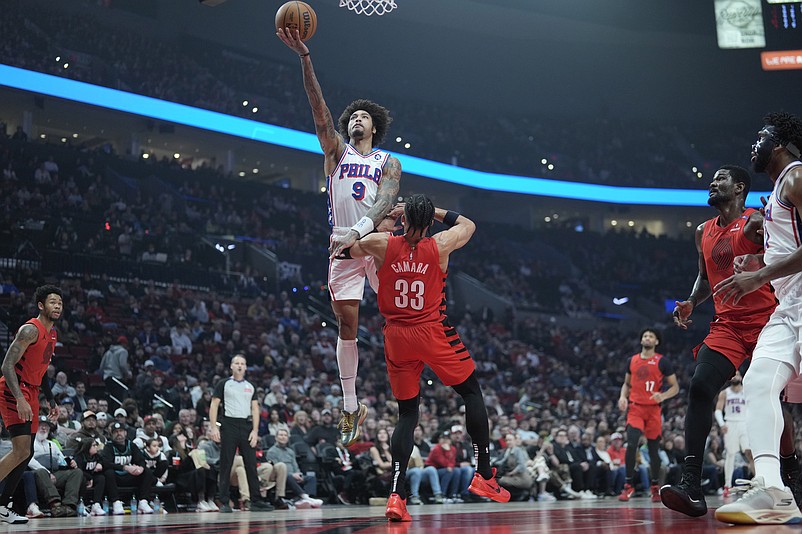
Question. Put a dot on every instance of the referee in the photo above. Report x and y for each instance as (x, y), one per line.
(239, 424)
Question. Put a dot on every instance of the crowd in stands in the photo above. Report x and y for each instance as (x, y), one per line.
(117, 219)
(188, 70)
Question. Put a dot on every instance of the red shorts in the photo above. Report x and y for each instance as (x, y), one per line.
(647, 418)
(8, 405)
(733, 338)
(408, 348)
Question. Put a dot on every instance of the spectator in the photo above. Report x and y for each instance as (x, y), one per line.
(443, 457)
(54, 472)
(124, 466)
(416, 471)
(190, 474)
(513, 466)
(300, 425)
(79, 399)
(464, 469)
(87, 432)
(115, 370)
(148, 432)
(302, 485)
(61, 387)
(90, 464)
(324, 431)
(618, 469)
(420, 441)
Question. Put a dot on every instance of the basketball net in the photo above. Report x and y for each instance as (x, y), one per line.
(369, 7)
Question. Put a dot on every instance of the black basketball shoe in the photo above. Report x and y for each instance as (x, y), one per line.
(685, 497)
(792, 476)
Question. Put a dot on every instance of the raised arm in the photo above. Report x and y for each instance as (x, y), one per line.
(459, 232)
(331, 142)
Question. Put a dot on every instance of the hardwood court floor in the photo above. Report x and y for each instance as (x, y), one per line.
(586, 517)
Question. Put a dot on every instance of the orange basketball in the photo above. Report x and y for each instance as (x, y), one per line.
(297, 16)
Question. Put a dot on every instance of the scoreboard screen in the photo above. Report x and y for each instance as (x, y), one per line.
(783, 23)
(774, 26)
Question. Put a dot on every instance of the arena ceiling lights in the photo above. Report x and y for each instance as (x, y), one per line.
(210, 120)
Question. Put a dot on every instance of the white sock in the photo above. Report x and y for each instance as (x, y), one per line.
(348, 362)
(764, 419)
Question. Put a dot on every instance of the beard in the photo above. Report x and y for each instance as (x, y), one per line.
(718, 200)
(736, 383)
(357, 133)
(763, 156)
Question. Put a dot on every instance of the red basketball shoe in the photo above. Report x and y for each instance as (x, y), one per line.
(397, 509)
(626, 493)
(655, 491)
(488, 488)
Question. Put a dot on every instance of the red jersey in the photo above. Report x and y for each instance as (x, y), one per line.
(411, 283)
(646, 377)
(32, 366)
(720, 246)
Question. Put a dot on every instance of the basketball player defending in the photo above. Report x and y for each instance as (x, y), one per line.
(734, 330)
(24, 369)
(641, 393)
(731, 418)
(412, 279)
(362, 182)
(776, 360)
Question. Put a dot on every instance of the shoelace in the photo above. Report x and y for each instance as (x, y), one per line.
(345, 422)
(747, 487)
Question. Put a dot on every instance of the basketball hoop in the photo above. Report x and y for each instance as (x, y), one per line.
(369, 7)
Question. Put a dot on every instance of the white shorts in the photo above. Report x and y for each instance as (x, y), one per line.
(781, 340)
(347, 277)
(736, 439)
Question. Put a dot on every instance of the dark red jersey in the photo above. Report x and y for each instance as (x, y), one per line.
(32, 366)
(646, 377)
(411, 283)
(720, 246)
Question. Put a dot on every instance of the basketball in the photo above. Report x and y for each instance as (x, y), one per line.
(297, 16)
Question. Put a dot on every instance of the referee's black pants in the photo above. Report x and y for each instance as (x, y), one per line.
(234, 435)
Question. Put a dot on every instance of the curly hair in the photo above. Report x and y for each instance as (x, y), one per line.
(380, 116)
(789, 127)
(42, 293)
(653, 331)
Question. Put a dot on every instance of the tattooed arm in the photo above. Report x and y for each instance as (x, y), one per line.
(385, 200)
(25, 337)
(331, 141)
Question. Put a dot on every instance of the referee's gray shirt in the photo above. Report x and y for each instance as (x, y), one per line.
(236, 397)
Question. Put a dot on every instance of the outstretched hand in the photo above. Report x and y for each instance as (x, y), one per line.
(682, 312)
(292, 38)
(737, 285)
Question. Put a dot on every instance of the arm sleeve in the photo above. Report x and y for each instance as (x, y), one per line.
(665, 367)
(219, 389)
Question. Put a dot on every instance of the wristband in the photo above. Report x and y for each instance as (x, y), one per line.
(363, 227)
(450, 218)
(719, 418)
(303, 55)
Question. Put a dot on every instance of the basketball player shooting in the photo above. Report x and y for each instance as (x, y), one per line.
(363, 183)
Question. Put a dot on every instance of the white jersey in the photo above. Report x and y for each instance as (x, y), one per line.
(781, 237)
(353, 184)
(734, 406)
